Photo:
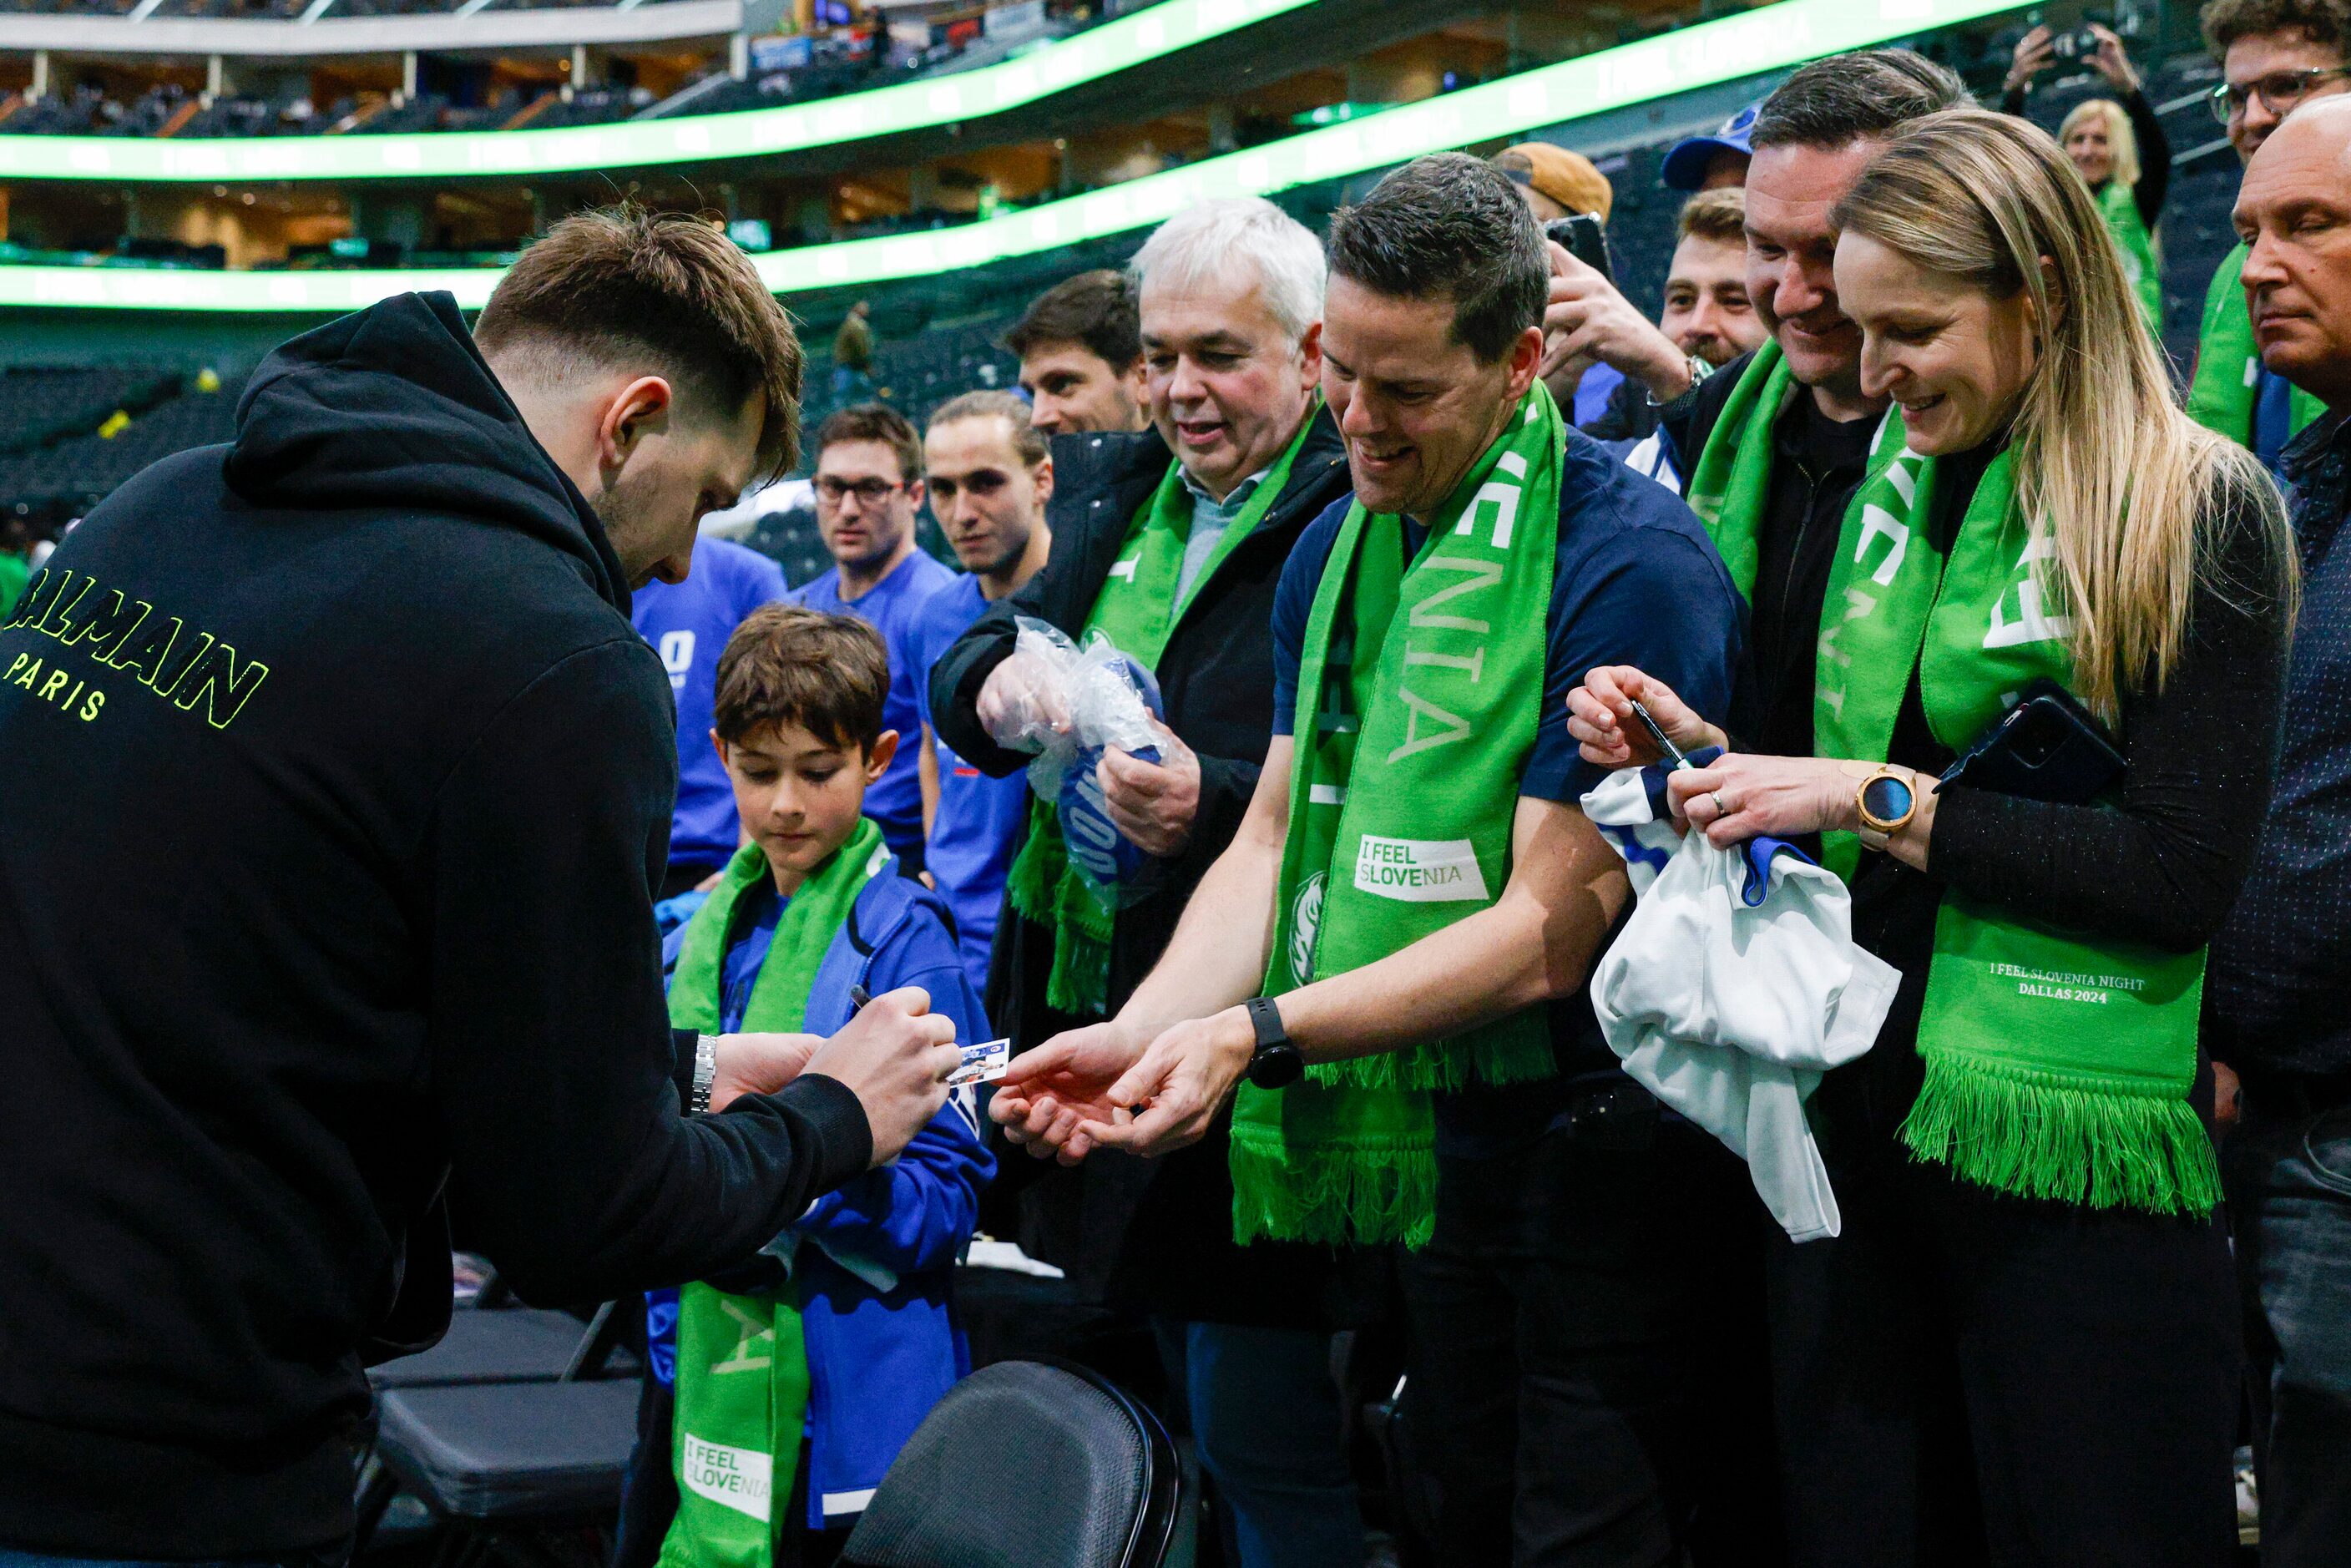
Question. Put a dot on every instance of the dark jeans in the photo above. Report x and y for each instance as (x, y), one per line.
(1584, 1355)
(1967, 1377)
(1264, 1412)
(2288, 1173)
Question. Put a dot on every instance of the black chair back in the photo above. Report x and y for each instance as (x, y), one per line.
(1027, 1464)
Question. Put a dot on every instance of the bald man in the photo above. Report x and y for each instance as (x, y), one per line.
(2278, 993)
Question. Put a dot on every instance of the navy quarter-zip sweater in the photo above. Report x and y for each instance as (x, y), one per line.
(333, 785)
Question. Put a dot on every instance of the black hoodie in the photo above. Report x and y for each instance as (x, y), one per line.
(333, 780)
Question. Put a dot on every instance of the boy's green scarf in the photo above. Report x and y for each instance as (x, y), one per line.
(1137, 610)
(2056, 1067)
(742, 1368)
(1432, 672)
(2227, 366)
(2118, 204)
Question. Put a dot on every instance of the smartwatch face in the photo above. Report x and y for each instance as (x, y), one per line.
(1887, 798)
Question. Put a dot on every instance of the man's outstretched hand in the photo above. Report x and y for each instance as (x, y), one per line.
(1099, 1088)
(1045, 1094)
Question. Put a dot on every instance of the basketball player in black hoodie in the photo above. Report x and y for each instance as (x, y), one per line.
(333, 780)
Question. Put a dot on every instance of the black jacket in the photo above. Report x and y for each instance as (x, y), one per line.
(335, 783)
(1816, 468)
(1216, 679)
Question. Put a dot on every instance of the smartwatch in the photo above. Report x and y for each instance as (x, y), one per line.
(1886, 800)
(1275, 1064)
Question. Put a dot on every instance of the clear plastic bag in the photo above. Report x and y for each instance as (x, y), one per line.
(1080, 702)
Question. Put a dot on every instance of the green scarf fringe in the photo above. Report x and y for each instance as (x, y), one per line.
(1374, 1195)
(1492, 1056)
(2107, 1148)
(1043, 892)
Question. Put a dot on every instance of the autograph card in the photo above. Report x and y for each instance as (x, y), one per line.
(983, 1064)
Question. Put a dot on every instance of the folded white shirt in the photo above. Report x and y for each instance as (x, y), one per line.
(1733, 987)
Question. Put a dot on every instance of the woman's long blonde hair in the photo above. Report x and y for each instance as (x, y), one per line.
(2122, 142)
(2135, 492)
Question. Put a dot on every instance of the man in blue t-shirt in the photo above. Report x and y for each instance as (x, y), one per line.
(869, 486)
(1569, 1390)
(688, 624)
(990, 476)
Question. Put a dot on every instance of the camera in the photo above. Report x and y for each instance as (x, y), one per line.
(2077, 44)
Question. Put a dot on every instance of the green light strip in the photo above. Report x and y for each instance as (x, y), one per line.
(1117, 45)
(1771, 38)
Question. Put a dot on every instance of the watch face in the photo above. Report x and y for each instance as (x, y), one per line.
(1887, 798)
(1276, 1067)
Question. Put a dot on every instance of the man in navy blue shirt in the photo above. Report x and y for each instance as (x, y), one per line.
(1563, 1316)
(990, 478)
(688, 624)
(869, 486)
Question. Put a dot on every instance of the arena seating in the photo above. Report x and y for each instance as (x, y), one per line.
(84, 109)
(78, 466)
(919, 366)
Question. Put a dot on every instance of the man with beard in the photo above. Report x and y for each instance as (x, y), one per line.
(337, 901)
(869, 487)
(991, 477)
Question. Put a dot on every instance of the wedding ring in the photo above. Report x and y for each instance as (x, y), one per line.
(1719, 808)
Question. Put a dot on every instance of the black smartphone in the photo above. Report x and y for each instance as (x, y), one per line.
(2046, 747)
(1585, 237)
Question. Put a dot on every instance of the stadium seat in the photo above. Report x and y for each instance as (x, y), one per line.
(1027, 1464)
(517, 1418)
(513, 1344)
(505, 1453)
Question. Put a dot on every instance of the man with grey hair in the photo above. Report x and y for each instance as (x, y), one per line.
(1171, 542)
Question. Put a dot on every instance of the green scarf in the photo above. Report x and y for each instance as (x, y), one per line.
(1733, 474)
(2118, 204)
(1137, 609)
(2056, 1066)
(737, 1438)
(2227, 366)
(1425, 668)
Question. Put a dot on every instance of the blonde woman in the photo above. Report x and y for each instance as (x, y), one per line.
(2025, 1333)
(2118, 145)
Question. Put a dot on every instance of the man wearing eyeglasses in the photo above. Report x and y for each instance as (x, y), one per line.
(869, 486)
(2274, 55)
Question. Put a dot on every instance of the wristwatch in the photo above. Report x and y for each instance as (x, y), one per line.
(1886, 800)
(705, 1073)
(1275, 1064)
(1699, 370)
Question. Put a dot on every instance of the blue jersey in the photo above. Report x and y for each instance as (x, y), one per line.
(688, 624)
(977, 817)
(892, 607)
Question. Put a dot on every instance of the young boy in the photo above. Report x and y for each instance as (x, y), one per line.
(799, 1375)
